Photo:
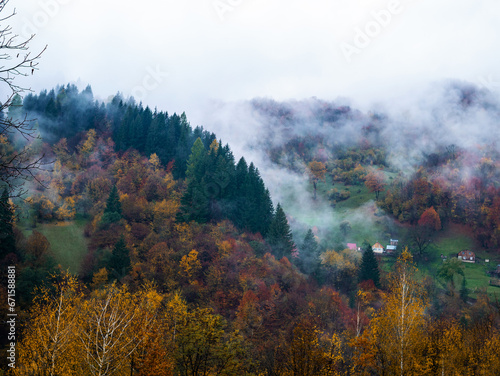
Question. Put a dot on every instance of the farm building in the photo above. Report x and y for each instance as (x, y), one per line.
(352, 246)
(377, 248)
(467, 256)
(393, 246)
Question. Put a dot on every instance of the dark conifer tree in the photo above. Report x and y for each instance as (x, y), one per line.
(196, 166)
(113, 210)
(369, 266)
(157, 141)
(259, 213)
(280, 236)
(119, 262)
(7, 239)
(309, 255)
(194, 204)
(113, 204)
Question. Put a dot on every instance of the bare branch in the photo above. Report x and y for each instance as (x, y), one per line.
(16, 165)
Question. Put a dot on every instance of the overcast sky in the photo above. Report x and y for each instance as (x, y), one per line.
(177, 55)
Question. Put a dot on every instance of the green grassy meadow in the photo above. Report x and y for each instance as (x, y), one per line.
(67, 242)
(367, 224)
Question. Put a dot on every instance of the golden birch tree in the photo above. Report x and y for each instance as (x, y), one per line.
(113, 324)
(48, 344)
(398, 328)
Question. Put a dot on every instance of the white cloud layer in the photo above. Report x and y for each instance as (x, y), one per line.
(239, 49)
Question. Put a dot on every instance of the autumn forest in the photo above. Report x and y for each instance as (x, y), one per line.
(142, 246)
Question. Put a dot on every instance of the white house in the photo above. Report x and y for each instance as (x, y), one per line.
(377, 248)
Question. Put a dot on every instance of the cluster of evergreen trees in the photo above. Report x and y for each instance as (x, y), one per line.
(65, 112)
(219, 189)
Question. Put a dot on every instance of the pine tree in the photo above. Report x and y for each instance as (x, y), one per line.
(113, 204)
(194, 204)
(195, 164)
(120, 258)
(280, 236)
(369, 267)
(257, 211)
(309, 257)
(7, 239)
(113, 210)
(309, 246)
(239, 194)
(157, 140)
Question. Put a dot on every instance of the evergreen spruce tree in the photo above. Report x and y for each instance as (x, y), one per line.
(113, 204)
(266, 210)
(239, 194)
(369, 267)
(195, 165)
(309, 246)
(308, 260)
(157, 140)
(120, 259)
(257, 214)
(194, 204)
(7, 239)
(113, 210)
(279, 235)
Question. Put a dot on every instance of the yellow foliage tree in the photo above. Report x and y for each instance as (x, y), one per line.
(67, 211)
(48, 345)
(398, 327)
(190, 266)
(155, 161)
(113, 324)
(89, 143)
(310, 354)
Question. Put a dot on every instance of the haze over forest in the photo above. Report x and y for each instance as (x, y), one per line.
(257, 188)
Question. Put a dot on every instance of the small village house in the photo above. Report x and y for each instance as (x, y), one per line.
(392, 247)
(377, 248)
(467, 256)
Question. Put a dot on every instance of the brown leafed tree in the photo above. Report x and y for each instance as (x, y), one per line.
(430, 218)
(317, 171)
(374, 181)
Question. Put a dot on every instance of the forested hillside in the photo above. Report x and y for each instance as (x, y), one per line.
(144, 247)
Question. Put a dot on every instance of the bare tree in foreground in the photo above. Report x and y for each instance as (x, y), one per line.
(15, 60)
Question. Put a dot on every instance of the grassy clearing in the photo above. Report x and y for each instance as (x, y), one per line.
(66, 242)
(454, 239)
(361, 212)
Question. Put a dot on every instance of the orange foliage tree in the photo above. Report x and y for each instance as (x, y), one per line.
(374, 181)
(430, 218)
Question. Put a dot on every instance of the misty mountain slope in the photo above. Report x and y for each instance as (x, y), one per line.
(451, 132)
(448, 136)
